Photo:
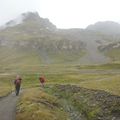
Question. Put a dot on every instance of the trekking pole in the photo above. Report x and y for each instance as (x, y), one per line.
(11, 85)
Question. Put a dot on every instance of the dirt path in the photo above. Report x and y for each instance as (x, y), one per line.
(8, 107)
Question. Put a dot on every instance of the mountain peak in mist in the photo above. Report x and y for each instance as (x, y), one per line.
(31, 16)
(108, 27)
(30, 19)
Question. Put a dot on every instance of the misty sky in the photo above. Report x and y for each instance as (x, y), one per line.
(63, 13)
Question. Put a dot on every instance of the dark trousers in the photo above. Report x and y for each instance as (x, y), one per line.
(17, 87)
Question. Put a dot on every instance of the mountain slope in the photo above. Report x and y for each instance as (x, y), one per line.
(107, 27)
(111, 50)
(35, 40)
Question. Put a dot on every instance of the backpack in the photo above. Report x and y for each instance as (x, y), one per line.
(17, 82)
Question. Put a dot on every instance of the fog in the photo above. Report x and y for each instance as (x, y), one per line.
(63, 13)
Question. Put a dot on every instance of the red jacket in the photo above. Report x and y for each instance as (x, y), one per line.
(42, 79)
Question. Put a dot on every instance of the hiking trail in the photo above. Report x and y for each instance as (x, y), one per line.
(8, 107)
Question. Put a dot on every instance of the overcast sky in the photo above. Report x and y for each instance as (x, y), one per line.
(63, 13)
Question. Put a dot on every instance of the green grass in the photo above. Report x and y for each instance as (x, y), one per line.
(38, 105)
(110, 84)
(6, 84)
(105, 77)
(35, 103)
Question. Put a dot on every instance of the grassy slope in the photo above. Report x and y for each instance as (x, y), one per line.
(104, 77)
(114, 54)
(22, 59)
(13, 57)
(87, 104)
(110, 84)
(38, 105)
(67, 102)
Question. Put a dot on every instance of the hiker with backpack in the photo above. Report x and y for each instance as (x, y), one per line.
(42, 81)
(17, 83)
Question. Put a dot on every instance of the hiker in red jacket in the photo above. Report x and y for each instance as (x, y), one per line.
(17, 83)
(42, 80)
